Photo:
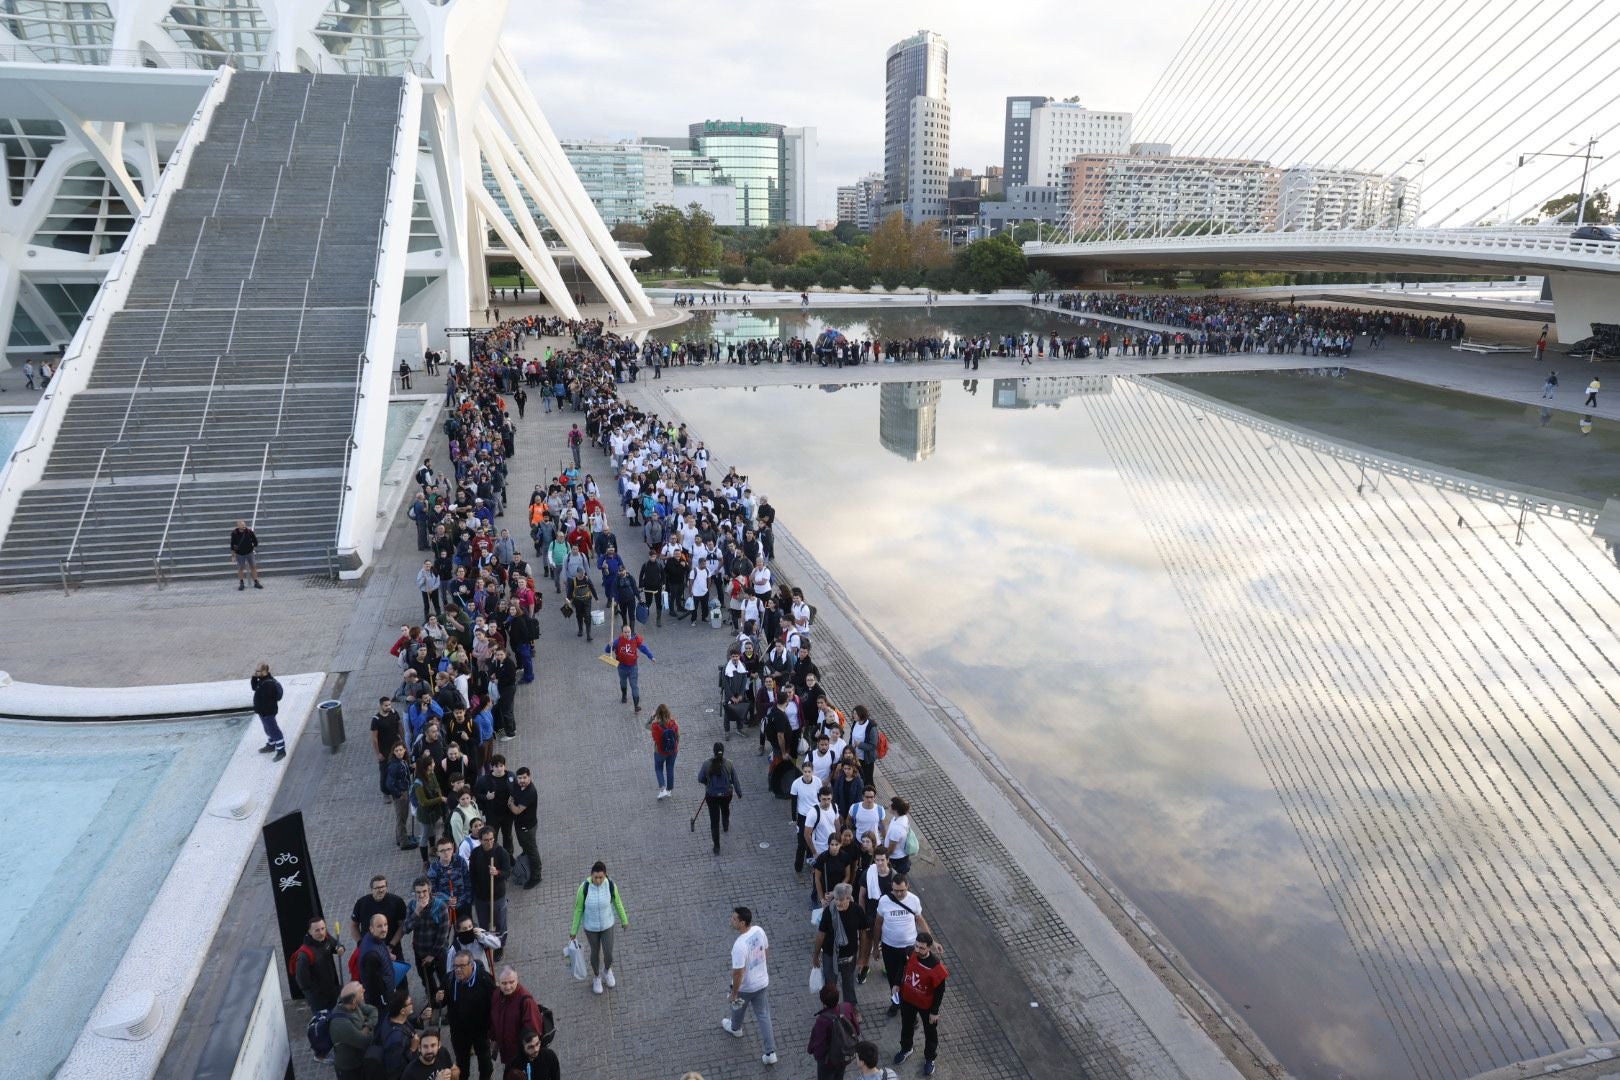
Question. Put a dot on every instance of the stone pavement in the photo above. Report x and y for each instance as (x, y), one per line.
(597, 802)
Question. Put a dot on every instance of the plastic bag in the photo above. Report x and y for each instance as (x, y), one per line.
(817, 979)
(574, 957)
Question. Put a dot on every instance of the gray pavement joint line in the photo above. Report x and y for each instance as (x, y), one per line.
(932, 699)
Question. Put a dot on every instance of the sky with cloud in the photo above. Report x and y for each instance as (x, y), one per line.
(1360, 85)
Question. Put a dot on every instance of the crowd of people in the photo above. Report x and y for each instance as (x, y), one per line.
(695, 550)
(1224, 324)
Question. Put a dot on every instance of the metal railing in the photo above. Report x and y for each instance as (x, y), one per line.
(168, 522)
(78, 531)
(1554, 241)
(93, 56)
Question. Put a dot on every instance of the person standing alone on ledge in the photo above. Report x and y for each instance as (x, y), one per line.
(266, 698)
(244, 542)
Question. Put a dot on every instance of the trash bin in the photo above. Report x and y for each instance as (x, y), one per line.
(331, 713)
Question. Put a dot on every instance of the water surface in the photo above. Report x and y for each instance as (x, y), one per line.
(1353, 752)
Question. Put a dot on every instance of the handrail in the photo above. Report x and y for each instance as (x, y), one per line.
(264, 467)
(281, 409)
(1506, 239)
(84, 512)
(133, 394)
(174, 501)
(208, 402)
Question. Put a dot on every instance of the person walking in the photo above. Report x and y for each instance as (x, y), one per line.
(838, 939)
(353, 1028)
(581, 591)
(666, 742)
(922, 988)
(719, 780)
(1592, 389)
(244, 542)
(1541, 344)
(899, 916)
(465, 1004)
(627, 649)
(750, 981)
(596, 903)
(576, 439)
(512, 1011)
(1549, 387)
(266, 701)
(833, 1035)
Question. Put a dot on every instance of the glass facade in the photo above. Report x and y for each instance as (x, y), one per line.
(25, 145)
(61, 31)
(915, 68)
(424, 237)
(69, 301)
(88, 215)
(753, 158)
(624, 180)
(219, 30)
(369, 37)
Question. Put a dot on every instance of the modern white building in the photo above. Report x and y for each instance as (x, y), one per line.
(718, 200)
(861, 203)
(1316, 197)
(623, 179)
(1132, 194)
(916, 128)
(1060, 131)
(95, 94)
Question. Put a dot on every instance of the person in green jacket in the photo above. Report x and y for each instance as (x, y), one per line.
(594, 907)
(353, 1027)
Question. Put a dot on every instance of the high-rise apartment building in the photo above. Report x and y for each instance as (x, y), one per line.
(1133, 193)
(623, 179)
(1313, 197)
(916, 128)
(1060, 131)
(861, 203)
(1015, 138)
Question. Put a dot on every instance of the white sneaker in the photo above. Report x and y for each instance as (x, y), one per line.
(664, 793)
(725, 1025)
(596, 985)
(608, 980)
(768, 1059)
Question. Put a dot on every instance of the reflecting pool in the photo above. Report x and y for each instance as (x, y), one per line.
(11, 429)
(1346, 743)
(874, 323)
(86, 844)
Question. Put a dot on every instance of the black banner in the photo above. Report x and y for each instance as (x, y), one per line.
(292, 883)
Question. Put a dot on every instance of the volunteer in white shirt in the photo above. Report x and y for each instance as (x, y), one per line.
(899, 917)
(750, 981)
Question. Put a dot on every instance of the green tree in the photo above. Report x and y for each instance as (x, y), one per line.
(665, 237)
(800, 278)
(994, 262)
(790, 245)
(701, 247)
(779, 277)
(731, 275)
(891, 278)
(845, 232)
(860, 276)
(1565, 207)
(630, 232)
(759, 271)
(1039, 282)
(832, 278)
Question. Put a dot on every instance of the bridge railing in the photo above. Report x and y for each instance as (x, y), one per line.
(1540, 239)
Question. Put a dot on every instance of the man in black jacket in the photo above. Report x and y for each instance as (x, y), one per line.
(505, 673)
(465, 1004)
(489, 867)
(651, 580)
(315, 967)
(266, 698)
(493, 790)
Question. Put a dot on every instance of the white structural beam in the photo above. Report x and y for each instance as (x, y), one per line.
(550, 282)
(108, 150)
(540, 271)
(555, 163)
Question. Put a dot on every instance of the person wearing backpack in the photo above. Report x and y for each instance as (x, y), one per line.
(595, 904)
(719, 780)
(833, 1036)
(313, 966)
(353, 1030)
(863, 737)
(666, 740)
(866, 1063)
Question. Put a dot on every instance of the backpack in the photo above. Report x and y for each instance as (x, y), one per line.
(319, 1033)
(882, 746)
(840, 1043)
(911, 842)
(719, 782)
(521, 871)
(548, 1025)
(292, 962)
(667, 742)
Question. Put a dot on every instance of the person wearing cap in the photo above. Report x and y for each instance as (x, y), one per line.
(719, 780)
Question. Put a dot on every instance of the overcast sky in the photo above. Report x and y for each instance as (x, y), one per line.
(1358, 85)
(638, 68)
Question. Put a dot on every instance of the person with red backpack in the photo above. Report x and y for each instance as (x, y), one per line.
(313, 966)
(666, 741)
(833, 1036)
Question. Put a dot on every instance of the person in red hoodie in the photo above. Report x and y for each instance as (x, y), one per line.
(922, 989)
(831, 1051)
(512, 1011)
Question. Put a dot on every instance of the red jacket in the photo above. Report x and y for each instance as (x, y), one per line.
(658, 735)
(923, 985)
(509, 1016)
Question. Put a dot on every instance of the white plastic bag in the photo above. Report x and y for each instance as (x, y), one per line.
(575, 957)
(817, 979)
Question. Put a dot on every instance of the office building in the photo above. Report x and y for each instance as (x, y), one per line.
(1015, 138)
(1022, 203)
(861, 203)
(916, 128)
(907, 414)
(1129, 194)
(1313, 197)
(1060, 131)
(624, 180)
(769, 167)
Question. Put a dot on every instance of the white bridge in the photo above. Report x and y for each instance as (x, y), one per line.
(1585, 274)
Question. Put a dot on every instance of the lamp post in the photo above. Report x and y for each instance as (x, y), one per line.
(1586, 157)
(1400, 200)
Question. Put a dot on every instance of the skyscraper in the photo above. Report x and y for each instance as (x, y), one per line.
(916, 128)
(768, 164)
(1015, 138)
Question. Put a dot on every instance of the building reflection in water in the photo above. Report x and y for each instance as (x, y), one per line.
(906, 417)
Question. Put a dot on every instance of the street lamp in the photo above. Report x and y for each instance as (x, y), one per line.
(1586, 156)
(1400, 200)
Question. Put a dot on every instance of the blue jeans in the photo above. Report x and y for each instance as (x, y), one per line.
(526, 655)
(664, 770)
(629, 678)
(761, 1003)
(546, 398)
(272, 732)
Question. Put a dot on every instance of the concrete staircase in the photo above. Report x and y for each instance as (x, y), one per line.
(226, 385)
